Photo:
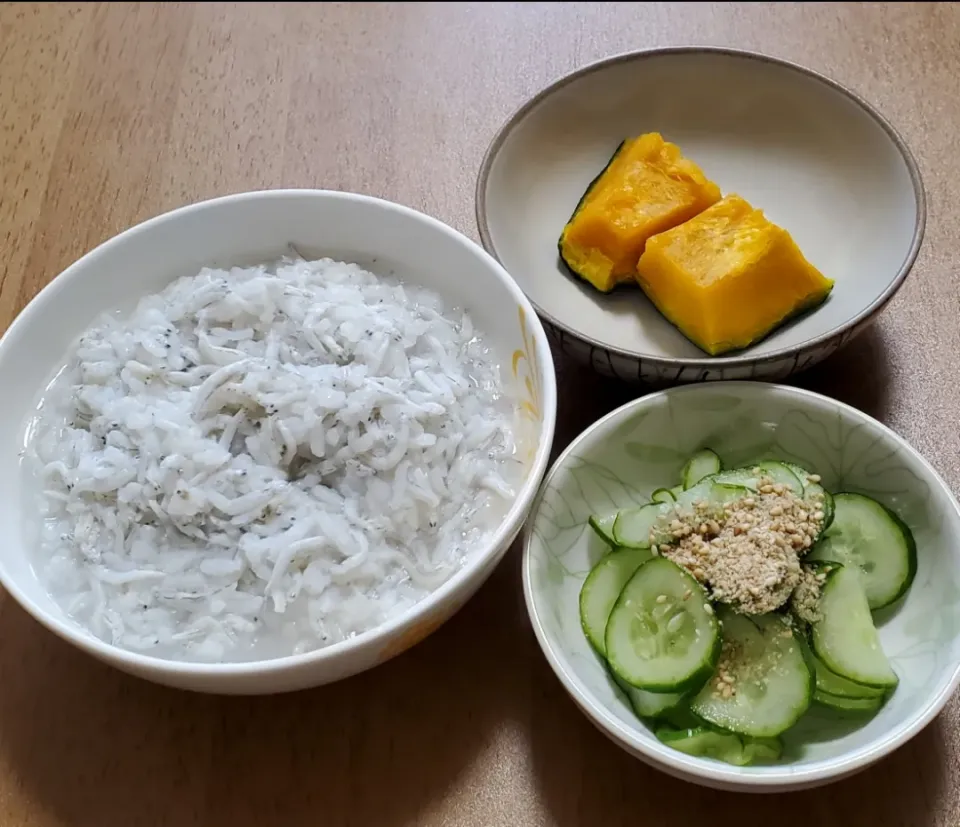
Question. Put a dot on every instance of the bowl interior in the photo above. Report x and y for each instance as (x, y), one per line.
(812, 157)
(243, 230)
(643, 447)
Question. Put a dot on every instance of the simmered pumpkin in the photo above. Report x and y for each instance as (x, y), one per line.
(729, 277)
(647, 187)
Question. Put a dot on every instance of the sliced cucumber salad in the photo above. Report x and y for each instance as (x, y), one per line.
(740, 596)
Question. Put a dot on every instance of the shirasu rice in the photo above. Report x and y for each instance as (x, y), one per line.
(259, 462)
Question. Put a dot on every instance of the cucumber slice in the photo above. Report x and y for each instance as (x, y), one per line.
(832, 684)
(821, 566)
(702, 464)
(869, 536)
(648, 704)
(680, 717)
(703, 742)
(827, 505)
(663, 495)
(805, 598)
(632, 526)
(689, 496)
(841, 704)
(677, 490)
(712, 492)
(662, 635)
(799, 471)
(772, 684)
(761, 750)
(715, 494)
(602, 588)
(780, 473)
(844, 637)
(744, 477)
(749, 476)
(603, 526)
(810, 489)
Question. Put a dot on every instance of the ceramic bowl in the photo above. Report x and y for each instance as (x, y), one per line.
(246, 229)
(818, 160)
(642, 446)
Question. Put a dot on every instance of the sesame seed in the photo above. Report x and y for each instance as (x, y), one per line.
(814, 478)
(661, 598)
(708, 608)
(745, 551)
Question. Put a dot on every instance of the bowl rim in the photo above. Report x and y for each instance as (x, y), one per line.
(776, 777)
(743, 359)
(392, 629)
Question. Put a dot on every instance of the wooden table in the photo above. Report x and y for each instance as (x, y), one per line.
(110, 113)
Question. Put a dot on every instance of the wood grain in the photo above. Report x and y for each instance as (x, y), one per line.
(110, 113)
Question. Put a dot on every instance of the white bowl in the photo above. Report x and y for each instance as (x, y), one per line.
(816, 158)
(245, 229)
(641, 446)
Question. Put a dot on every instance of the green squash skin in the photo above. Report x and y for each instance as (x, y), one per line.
(573, 215)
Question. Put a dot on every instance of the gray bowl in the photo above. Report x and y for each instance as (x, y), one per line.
(816, 158)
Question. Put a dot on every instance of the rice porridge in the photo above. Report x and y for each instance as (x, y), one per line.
(259, 462)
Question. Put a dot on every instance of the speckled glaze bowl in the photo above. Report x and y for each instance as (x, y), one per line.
(245, 229)
(642, 446)
(818, 160)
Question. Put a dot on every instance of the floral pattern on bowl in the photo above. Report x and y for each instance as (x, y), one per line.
(642, 446)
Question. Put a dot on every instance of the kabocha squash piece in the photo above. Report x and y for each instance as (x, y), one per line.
(729, 276)
(647, 187)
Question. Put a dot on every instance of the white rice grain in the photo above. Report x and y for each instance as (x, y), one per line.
(260, 462)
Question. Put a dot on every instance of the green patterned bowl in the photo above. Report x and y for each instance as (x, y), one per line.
(641, 446)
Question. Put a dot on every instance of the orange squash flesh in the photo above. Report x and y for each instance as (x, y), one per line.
(729, 276)
(647, 187)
